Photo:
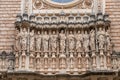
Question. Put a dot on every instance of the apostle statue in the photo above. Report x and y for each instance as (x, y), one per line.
(32, 40)
(79, 41)
(45, 42)
(92, 39)
(24, 39)
(71, 41)
(62, 38)
(86, 41)
(38, 41)
(53, 41)
(17, 41)
(101, 38)
(108, 39)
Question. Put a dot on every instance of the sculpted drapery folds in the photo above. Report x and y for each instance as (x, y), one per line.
(38, 41)
(17, 41)
(45, 42)
(71, 41)
(101, 38)
(86, 41)
(24, 38)
(92, 39)
(79, 41)
(108, 39)
(53, 41)
(32, 40)
(62, 38)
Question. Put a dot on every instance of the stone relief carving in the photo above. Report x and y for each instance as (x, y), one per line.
(17, 41)
(92, 39)
(86, 42)
(108, 39)
(45, 4)
(101, 38)
(68, 48)
(38, 41)
(62, 38)
(24, 36)
(79, 41)
(38, 4)
(32, 40)
(53, 41)
(45, 41)
(71, 41)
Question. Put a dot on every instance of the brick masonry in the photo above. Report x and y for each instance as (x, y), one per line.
(113, 9)
(10, 8)
(8, 11)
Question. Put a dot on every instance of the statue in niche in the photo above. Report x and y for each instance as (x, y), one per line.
(32, 40)
(62, 38)
(45, 41)
(101, 38)
(108, 39)
(53, 41)
(53, 61)
(38, 41)
(79, 41)
(86, 41)
(92, 39)
(24, 36)
(71, 41)
(17, 41)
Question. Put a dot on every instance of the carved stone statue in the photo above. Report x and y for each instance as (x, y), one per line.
(62, 38)
(24, 36)
(17, 41)
(101, 38)
(71, 41)
(108, 39)
(92, 39)
(45, 41)
(32, 40)
(86, 41)
(79, 41)
(38, 41)
(53, 41)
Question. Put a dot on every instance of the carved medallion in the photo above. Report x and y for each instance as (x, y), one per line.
(37, 4)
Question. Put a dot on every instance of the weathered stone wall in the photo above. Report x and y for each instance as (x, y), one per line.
(113, 9)
(8, 12)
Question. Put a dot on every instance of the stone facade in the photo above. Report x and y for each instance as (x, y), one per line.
(64, 42)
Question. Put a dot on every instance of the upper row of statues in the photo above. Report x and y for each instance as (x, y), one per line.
(62, 40)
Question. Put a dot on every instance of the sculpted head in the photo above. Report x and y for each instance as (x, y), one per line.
(70, 32)
(53, 32)
(78, 32)
(45, 32)
(62, 31)
(100, 29)
(85, 31)
(38, 32)
(24, 29)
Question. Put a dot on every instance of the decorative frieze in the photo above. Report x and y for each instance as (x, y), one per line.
(66, 43)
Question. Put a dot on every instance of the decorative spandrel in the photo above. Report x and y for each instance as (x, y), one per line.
(59, 4)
